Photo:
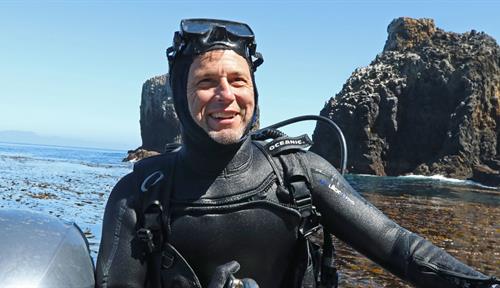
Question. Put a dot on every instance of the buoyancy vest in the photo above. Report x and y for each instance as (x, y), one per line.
(280, 212)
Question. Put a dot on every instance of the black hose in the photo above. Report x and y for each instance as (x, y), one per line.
(268, 133)
(340, 135)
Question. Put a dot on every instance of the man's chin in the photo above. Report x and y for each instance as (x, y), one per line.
(226, 136)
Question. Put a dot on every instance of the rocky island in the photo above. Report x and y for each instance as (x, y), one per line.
(158, 120)
(428, 104)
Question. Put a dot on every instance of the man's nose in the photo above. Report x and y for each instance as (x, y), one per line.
(225, 90)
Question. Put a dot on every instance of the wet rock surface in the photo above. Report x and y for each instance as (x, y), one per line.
(138, 154)
(428, 104)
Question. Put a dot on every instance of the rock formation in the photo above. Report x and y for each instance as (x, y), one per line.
(428, 104)
(159, 122)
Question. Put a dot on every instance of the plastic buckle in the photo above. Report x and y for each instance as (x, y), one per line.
(301, 197)
(146, 236)
(304, 204)
(310, 224)
(167, 260)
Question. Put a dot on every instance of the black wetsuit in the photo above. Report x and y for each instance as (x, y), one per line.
(230, 211)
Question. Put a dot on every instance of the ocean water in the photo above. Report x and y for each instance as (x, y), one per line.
(74, 184)
(462, 217)
(70, 183)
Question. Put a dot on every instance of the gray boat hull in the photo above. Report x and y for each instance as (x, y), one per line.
(42, 251)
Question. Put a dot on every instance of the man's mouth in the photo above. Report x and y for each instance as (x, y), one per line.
(223, 115)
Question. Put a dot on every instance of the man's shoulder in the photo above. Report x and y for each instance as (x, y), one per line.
(130, 185)
(317, 162)
(283, 146)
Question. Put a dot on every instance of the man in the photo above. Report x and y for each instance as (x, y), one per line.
(224, 201)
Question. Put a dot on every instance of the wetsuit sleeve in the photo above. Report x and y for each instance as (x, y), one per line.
(118, 261)
(355, 221)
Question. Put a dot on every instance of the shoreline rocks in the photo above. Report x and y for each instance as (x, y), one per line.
(138, 154)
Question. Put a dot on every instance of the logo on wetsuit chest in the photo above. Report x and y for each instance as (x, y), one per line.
(279, 145)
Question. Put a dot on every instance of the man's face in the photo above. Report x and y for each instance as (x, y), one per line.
(220, 94)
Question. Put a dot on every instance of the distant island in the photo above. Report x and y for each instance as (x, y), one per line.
(29, 137)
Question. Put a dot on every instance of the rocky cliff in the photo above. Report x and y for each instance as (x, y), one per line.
(428, 104)
(159, 122)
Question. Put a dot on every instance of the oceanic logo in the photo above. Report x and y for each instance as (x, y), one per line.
(286, 142)
(280, 144)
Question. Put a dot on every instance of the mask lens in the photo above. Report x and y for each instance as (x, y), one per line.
(202, 26)
(239, 30)
(195, 27)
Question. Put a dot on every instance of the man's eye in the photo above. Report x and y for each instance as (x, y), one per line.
(206, 82)
(239, 81)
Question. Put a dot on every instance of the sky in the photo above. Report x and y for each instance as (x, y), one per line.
(75, 69)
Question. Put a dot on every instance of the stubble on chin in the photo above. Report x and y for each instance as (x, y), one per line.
(227, 136)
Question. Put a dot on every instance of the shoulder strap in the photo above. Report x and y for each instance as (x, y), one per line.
(297, 182)
(154, 176)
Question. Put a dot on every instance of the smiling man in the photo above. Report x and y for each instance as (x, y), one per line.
(220, 95)
(226, 205)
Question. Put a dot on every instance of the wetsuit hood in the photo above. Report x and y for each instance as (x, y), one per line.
(194, 138)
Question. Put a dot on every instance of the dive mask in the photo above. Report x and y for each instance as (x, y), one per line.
(197, 36)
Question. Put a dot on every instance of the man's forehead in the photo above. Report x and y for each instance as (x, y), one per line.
(208, 59)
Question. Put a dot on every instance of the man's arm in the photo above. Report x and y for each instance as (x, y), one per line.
(354, 220)
(119, 262)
